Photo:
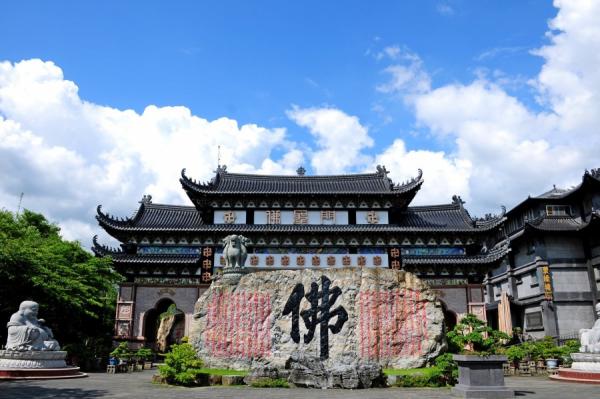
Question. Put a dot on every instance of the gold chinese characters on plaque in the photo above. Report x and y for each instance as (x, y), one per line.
(547, 283)
(301, 216)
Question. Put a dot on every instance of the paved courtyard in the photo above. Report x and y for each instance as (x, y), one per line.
(138, 385)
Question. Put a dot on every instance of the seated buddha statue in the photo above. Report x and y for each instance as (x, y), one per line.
(28, 333)
(590, 337)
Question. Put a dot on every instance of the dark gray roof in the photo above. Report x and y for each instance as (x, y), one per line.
(152, 216)
(494, 255)
(121, 257)
(237, 183)
(562, 223)
(156, 217)
(589, 179)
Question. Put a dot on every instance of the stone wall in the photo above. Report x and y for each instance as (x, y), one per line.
(374, 315)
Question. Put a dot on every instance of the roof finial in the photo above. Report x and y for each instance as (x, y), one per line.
(301, 171)
(146, 199)
(381, 170)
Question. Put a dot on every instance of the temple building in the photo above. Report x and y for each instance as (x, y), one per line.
(169, 254)
(552, 273)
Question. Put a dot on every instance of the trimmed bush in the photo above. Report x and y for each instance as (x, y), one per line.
(183, 367)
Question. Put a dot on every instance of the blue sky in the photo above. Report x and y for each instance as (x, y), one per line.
(251, 60)
(109, 100)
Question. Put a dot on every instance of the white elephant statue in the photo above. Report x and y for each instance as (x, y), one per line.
(234, 251)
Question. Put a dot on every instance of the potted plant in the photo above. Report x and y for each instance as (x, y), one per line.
(480, 370)
(145, 355)
(122, 354)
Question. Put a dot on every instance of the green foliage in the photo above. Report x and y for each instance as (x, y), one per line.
(447, 367)
(122, 352)
(76, 291)
(545, 348)
(270, 383)
(144, 354)
(433, 378)
(182, 366)
(515, 353)
(476, 337)
(171, 311)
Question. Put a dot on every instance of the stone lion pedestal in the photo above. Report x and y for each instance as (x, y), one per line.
(31, 350)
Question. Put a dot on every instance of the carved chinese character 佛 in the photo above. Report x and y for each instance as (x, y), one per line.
(319, 313)
(229, 217)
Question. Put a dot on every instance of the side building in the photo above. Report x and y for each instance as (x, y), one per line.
(552, 274)
(169, 254)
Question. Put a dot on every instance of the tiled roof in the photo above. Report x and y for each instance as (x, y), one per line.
(152, 216)
(560, 194)
(561, 223)
(156, 217)
(119, 256)
(494, 255)
(237, 183)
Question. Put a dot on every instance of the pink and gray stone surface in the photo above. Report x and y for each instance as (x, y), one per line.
(340, 317)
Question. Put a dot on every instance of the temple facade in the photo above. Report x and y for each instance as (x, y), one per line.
(552, 273)
(169, 254)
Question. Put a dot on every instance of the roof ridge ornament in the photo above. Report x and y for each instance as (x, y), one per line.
(301, 171)
(382, 171)
(146, 199)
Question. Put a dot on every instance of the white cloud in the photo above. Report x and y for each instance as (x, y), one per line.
(407, 76)
(515, 150)
(67, 155)
(340, 139)
(444, 176)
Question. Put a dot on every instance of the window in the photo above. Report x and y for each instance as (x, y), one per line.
(534, 279)
(533, 321)
(558, 210)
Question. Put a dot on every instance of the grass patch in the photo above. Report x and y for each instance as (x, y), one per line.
(270, 383)
(224, 372)
(425, 371)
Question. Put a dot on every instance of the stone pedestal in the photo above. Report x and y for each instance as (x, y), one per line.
(36, 365)
(481, 377)
(585, 369)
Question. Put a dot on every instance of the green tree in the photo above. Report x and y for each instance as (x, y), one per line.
(472, 335)
(76, 291)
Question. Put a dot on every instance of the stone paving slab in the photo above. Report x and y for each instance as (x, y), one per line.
(138, 386)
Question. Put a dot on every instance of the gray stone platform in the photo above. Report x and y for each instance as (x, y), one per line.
(138, 386)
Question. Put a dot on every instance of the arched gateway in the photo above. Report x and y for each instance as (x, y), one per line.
(295, 222)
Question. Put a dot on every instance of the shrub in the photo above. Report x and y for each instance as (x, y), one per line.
(434, 378)
(182, 366)
(476, 337)
(144, 354)
(122, 352)
(448, 368)
(270, 383)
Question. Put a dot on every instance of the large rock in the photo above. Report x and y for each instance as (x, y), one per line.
(381, 316)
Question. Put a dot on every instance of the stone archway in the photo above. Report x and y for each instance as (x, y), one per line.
(152, 319)
(450, 317)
